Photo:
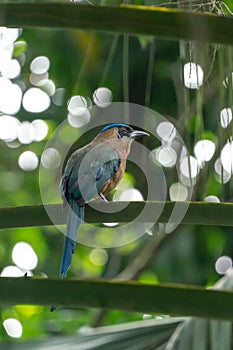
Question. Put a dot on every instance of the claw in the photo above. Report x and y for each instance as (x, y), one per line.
(102, 197)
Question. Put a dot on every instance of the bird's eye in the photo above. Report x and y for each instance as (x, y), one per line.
(122, 132)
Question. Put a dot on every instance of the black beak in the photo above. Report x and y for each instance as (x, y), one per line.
(138, 133)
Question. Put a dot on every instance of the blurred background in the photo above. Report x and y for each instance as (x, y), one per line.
(49, 76)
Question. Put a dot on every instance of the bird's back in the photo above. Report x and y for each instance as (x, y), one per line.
(90, 169)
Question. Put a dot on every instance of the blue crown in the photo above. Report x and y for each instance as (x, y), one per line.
(116, 125)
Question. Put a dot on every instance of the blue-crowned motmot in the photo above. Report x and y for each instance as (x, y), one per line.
(93, 171)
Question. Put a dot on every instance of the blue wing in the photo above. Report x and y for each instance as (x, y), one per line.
(87, 171)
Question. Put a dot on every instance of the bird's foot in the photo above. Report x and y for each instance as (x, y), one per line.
(102, 197)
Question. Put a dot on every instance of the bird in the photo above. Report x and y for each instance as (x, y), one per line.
(90, 173)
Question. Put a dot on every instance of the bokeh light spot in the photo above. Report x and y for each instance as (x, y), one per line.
(193, 75)
(166, 131)
(51, 158)
(165, 156)
(121, 187)
(204, 150)
(12, 70)
(28, 161)
(48, 86)
(102, 97)
(77, 121)
(178, 192)
(221, 175)
(59, 96)
(225, 117)
(11, 97)
(12, 271)
(98, 256)
(5, 58)
(213, 199)
(110, 224)
(131, 194)
(35, 79)
(13, 327)
(223, 264)
(24, 256)
(77, 105)
(227, 157)
(40, 65)
(8, 36)
(35, 100)
(41, 129)
(26, 133)
(189, 167)
(8, 128)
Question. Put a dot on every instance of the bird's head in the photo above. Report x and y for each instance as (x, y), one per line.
(122, 131)
(119, 137)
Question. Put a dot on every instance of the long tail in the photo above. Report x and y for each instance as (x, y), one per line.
(75, 217)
